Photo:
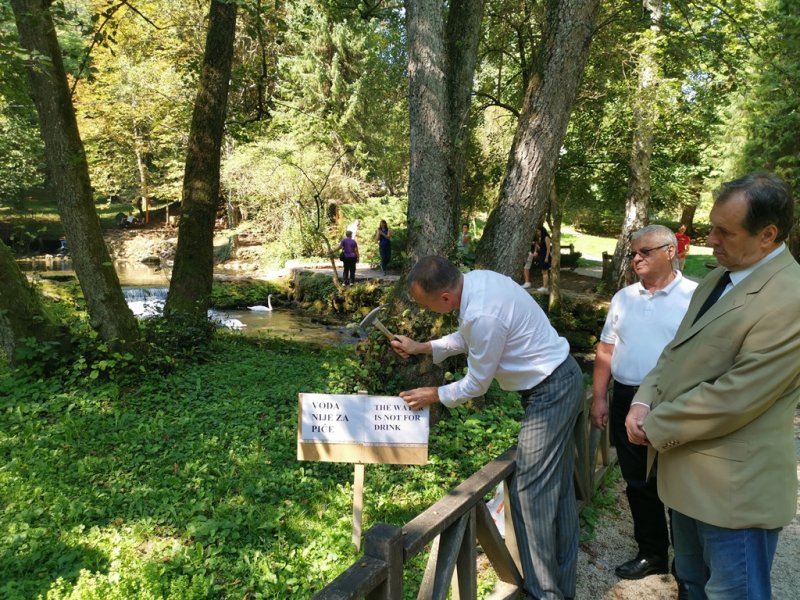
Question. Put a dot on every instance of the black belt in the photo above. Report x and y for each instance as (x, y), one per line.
(625, 386)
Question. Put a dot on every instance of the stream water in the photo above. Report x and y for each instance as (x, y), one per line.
(145, 289)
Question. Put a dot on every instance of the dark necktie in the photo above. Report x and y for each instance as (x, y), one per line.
(715, 294)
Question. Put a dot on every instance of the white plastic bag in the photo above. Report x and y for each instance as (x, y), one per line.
(496, 507)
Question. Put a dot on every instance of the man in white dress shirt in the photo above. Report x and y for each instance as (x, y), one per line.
(507, 337)
(641, 321)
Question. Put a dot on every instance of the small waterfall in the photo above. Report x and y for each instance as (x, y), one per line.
(145, 293)
(145, 302)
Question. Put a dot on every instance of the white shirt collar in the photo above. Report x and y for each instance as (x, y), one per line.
(666, 289)
(738, 276)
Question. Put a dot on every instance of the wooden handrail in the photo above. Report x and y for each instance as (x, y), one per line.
(452, 526)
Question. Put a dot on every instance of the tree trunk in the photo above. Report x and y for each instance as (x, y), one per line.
(687, 218)
(69, 175)
(554, 299)
(645, 115)
(190, 288)
(463, 35)
(440, 85)
(21, 312)
(524, 193)
(144, 184)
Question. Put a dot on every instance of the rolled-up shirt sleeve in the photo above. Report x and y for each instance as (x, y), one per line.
(448, 346)
(487, 337)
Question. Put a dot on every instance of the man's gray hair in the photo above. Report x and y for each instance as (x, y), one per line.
(433, 274)
(661, 235)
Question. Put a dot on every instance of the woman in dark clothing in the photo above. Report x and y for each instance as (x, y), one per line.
(384, 238)
(349, 257)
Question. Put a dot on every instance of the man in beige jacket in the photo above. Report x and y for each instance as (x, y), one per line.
(718, 407)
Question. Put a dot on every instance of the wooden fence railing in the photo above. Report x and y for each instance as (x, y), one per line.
(452, 525)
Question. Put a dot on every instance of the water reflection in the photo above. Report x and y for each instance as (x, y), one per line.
(145, 288)
(281, 322)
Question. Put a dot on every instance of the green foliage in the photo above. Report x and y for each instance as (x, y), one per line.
(604, 500)
(242, 293)
(570, 261)
(369, 213)
(313, 288)
(186, 486)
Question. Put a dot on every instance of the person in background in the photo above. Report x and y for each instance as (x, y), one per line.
(533, 259)
(464, 239)
(506, 336)
(349, 257)
(642, 319)
(684, 241)
(353, 228)
(544, 259)
(384, 238)
(718, 407)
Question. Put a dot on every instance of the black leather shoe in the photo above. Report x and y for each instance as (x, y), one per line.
(642, 566)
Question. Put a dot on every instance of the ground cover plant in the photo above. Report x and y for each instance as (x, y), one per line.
(186, 484)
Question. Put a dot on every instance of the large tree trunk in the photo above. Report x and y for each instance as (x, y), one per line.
(567, 32)
(440, 85)
(190, 289)
(21, 312)
(645, 115)
(69, 174)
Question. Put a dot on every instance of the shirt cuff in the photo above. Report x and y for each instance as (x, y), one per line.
(641, 404)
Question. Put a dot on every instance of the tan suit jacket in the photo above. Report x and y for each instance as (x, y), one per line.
(723, 396)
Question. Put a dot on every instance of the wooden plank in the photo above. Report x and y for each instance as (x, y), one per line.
(442, 561)
(424, 527)
(358, 504)
(466, 587)
(357, 453)
(583, 466)
(511, 534)
(385, 542)
(494, 547)
(365, 575)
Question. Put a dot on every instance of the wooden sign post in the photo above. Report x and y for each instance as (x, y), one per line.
(361, 429)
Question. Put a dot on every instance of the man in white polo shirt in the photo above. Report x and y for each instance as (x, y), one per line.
(506, 336)
(641, 321)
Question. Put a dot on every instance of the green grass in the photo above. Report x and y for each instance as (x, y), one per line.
(37, 216)
(188, 486)
(591, 246)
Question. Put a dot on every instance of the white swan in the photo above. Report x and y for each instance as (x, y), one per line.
(261, 307)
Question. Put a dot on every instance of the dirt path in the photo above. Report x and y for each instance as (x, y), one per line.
(613, 545)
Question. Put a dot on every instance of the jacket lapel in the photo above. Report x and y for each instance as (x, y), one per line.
(735, 298)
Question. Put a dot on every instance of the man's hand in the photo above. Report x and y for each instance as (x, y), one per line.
(405, 346)
(634, 422)
(600, 412)
(419, 398)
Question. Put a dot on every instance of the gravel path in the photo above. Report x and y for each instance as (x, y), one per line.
(613, 545)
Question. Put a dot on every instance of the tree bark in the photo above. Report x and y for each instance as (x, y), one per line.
(687, 218)
(551, 92)
(69, 174)
(645, 115)
(441, 67)
(554, 299)
(190, 288)
(21, 312)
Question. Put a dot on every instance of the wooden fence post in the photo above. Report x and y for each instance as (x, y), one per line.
(385, 542)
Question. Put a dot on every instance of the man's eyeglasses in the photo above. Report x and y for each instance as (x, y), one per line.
(645, 252)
